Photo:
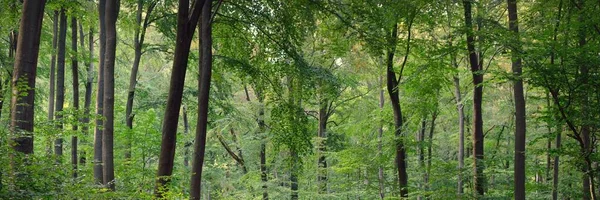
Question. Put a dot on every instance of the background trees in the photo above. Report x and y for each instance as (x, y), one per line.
(298, 106)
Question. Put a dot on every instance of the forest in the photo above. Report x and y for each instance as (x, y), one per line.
(299, 99)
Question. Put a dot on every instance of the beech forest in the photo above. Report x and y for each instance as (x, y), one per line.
(300, 99)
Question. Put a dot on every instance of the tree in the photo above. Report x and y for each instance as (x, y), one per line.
(520, 122)
(476, 70)
(138, 43)
(98, 131)
(75, 74)
(203, 97)
(53, 67)
(185, 30)
(24, 73)
(108, 171)
(60, 78)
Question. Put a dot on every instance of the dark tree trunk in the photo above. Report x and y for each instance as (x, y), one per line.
(111, 14)
(25, 67)
(392, 87)
(88, 87)
(185, 32)
(203, 97)
(556, 169)
(262, 128)
(520, 121)
(60, 76)
(322, 134)
(380, 174)
(294, 175)
(421, 152)
(478, 165)
(430, 149)
(186, 131)
(98, 174)
(75, 73)
(138, 42)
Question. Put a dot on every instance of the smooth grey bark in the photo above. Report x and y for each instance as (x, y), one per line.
(519, 97)
(24, 73)
(98, 174)
(60, 81)
(112, 12)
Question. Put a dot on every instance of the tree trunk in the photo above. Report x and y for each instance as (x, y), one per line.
(88, 88)
(392, 87)
(294, 175)
(421, 152)
(203, 97)
(60, 85)
(75, 74)
(111, 14)
(478, 165)
(430, 149)
(186, 131)
(52, 67)
(262, 127)
(520, 121)
(322, 134)
(98, 174)
(380, 174)
(185, 32)
(556, 167)
(24, 73)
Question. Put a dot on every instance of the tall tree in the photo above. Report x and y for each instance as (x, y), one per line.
(476, 70)
(138, 44)
(110, 17)
(186, 22)
(60, 80)
(24, 73)
(520, 123)
(98, 132)
(203, 97)
(53, 67)
(75, 74)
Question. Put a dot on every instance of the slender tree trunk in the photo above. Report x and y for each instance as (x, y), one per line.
(478, 165)
(98, 132)
(421, 153)
(263, 146)
(294, 175)
(203, 97)
(88, 87)
(25, 67)
(556, 170)
(112, 12)
(52, 67)
(380, 174)
(430, 149)
(392, 87)
(75, 74)
(186, 131)
(185, 32)
(322, 134)
(60, 85)
(520, 121)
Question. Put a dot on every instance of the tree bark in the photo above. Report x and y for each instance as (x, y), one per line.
(392, 87)
(75, 74)
(24, 73)
(556, 169)
(185, 32)
(322, 134)
(430, 149)
(98, 154)
(138, 42)
(186, 131)
(60, 78)
(478, 165)
(52, 80)
(520, 121)
(88, 87)
(203, 97)
(262, 128)
(111, 14)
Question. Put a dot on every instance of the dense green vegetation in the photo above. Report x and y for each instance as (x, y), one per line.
(299, 99)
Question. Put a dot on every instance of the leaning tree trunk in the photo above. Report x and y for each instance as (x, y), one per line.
(185, 32)
(75, 74)
(478, 164)
(60, 82)
(112, 12)
(203, 97)
(98, 174)
(392, 88)
(25, 67)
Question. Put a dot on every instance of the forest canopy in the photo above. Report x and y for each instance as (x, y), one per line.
(299, 99)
